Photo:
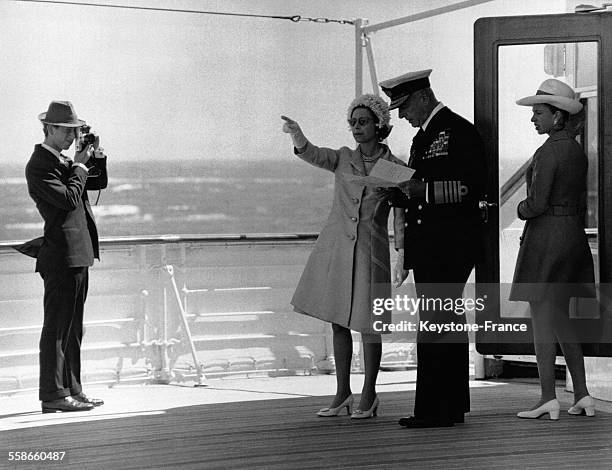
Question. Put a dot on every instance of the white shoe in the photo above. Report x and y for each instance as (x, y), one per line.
(585, 405)
(551, 407)
(372, 412)
(348, 403)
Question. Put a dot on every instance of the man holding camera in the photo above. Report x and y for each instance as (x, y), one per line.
(68, 247)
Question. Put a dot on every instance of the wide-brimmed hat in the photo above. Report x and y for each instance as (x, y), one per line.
(61, 113)
(555, 93)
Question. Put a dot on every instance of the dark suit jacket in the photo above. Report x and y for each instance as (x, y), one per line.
(70, 236)
(449, 150)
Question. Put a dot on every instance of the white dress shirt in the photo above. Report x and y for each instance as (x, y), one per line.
(433, 113)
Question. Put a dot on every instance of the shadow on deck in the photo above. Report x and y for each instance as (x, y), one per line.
(271, 423)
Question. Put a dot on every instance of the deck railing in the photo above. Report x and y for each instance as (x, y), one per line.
(172, 308)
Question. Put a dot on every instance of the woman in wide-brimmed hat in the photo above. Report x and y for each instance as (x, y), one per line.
(554, 260)
(349, 266)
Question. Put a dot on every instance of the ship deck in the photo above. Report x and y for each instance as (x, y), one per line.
(266, 422)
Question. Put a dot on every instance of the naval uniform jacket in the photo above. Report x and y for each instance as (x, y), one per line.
(350, 263)
(442, 241)
(554, 255)
(59, 190)
(449, 157)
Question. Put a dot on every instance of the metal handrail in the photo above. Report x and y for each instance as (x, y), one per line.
(255, 238)
(512, 185)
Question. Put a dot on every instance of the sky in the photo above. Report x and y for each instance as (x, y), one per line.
(181, 86)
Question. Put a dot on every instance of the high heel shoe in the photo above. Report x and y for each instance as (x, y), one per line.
(551, 407)
(585, 405)
(373, 411)
(347, 403)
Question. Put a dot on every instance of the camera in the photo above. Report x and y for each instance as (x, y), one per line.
(85, 138)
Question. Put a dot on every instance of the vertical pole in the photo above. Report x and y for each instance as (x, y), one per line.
(372, 64)
(479, 363)
(183, 314)
(359, 23)
(165, 374)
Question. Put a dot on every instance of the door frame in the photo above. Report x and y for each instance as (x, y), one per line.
(489, 35)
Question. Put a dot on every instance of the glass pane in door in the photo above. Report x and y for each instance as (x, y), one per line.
(522, 68)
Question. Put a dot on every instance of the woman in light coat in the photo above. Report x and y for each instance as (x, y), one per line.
(554, 260)
(350, 264)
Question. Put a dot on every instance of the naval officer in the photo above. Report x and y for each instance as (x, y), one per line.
(442, 240)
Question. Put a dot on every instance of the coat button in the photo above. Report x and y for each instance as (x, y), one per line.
(405, 224)
(420, 207)
(419, 221)
(354, 219)
(355, 200)
(351, 237)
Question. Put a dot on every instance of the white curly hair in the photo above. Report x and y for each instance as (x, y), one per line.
(374, 103)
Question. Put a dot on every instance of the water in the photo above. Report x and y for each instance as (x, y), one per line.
(187, 198)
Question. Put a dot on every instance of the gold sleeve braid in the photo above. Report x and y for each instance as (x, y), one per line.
(446, 192)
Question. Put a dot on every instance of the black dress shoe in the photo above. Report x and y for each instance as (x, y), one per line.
(65, 404)
(413, 422)
(81, 397)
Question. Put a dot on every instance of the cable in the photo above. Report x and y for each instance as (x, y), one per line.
(294, 18)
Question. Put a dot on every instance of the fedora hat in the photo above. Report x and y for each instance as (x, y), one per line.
(555, 93)
(61, 113)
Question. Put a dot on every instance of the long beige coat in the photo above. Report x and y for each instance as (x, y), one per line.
(350, 264)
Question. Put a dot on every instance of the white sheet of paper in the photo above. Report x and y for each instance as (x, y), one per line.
(370, 181)
(390, 171)
(384, 174)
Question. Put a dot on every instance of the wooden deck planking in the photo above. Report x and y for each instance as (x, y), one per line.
(286, 434)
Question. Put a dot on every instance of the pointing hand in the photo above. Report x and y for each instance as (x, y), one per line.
(293, 129)
(290, 126)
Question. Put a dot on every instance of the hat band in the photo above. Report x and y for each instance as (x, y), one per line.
(408, 87)
(540, 92)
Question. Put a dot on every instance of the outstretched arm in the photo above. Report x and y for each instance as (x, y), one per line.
(293, 129)
(318, 156)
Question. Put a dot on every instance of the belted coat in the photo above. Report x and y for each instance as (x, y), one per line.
(350, 264)
(554, 255)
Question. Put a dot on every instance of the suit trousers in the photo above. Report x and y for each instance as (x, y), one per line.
(62, 332)
(442, 390)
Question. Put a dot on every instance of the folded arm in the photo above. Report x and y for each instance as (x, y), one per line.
(45, 183)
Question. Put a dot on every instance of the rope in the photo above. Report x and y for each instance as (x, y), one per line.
(294, 18)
